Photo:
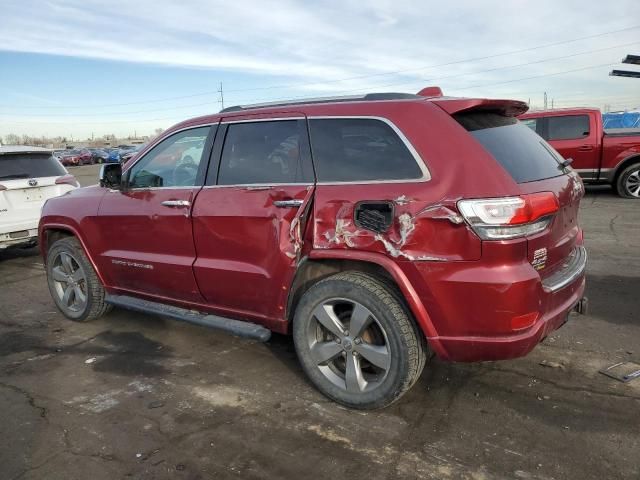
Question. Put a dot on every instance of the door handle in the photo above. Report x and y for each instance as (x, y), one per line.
(585, 148)
(176, 203)
(287, 203)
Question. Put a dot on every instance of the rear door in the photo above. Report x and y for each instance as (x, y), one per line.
(575, 137)
(247, 220)
(147, 240)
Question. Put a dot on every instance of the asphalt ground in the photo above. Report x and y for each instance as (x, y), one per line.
(137, 396)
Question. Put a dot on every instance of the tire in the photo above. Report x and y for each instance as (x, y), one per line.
(628, 183)
(73, 283)
(376, 362)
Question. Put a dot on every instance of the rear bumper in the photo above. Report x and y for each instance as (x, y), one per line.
(472, 305)
(18, 233)
(477, 348)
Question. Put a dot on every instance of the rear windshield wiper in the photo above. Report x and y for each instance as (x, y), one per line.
(14, 175)
(565, 163)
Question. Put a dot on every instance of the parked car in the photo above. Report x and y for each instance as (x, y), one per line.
(28, 177)
(86, 157)
(126, 155)
(69, 158)
(98, 155)
(372, 237)
(113, 156)
(610, 156)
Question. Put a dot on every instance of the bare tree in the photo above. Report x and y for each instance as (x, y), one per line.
(12, 139)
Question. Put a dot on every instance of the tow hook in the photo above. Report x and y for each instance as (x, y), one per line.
(582, 307)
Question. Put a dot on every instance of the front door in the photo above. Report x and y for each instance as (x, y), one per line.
(247, 221)
(146, 227)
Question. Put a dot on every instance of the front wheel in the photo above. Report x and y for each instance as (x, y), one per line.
(628, 184)
(73, 283)
(356, 342)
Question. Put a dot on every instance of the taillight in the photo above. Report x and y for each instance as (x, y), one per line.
(67, 180)
(509, 217)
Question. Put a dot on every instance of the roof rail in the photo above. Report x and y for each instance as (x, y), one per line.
(310, 101)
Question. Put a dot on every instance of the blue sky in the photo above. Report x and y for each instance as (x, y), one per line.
(81, 67)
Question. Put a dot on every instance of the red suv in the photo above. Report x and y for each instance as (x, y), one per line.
(374, 229)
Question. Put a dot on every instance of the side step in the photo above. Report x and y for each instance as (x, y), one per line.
(234, 327)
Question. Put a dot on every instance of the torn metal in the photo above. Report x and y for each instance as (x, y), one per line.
(413, 235)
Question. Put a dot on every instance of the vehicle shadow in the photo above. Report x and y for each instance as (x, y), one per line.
(283, 349)
(13, 253)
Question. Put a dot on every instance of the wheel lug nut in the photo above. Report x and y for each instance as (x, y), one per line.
(338, 340)
(357, 341)
(346, 333)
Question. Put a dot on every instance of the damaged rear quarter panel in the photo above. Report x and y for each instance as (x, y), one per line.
(423, 228)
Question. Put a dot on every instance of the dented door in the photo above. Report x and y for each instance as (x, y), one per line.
(247, 221)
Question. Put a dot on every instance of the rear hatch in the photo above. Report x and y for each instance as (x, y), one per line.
(536, 167)
(27, 180)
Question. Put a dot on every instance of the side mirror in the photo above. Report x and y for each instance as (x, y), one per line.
(111, 176)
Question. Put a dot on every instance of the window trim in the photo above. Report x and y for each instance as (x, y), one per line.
(219, 147)
(206, 153)
(426, 174)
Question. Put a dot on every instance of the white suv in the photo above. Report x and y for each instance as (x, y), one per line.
(28, 177)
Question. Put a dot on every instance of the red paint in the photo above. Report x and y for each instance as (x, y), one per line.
(598, 157)
(235, 252)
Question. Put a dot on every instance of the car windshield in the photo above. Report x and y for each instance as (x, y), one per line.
(29, 165)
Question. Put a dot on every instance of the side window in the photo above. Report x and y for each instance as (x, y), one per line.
(360, 149)
(174, 162)
(265, 152)
(567, 127)
(532, 123)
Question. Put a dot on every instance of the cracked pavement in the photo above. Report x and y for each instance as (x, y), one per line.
(136, 396)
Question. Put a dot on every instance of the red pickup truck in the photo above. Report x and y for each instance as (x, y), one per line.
(598, 155)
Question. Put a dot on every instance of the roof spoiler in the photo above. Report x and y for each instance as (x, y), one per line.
(509, 108)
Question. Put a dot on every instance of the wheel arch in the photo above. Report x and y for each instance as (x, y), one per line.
(630, 160)
(51, 233)
(322, 263)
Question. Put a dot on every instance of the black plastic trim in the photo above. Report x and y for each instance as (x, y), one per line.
(235, 327)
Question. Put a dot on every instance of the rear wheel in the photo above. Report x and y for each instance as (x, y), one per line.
(73, 283)
(628, 184)
(356, 341)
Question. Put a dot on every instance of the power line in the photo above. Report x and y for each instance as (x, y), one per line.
(359, 77)
(221, 93)
(295, 98)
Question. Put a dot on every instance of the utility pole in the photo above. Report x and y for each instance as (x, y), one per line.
(221, 97)
(552, 103)
(545, 100)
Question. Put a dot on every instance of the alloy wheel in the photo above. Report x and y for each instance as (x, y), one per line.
(632, 183)
(349, 345)
(70, 282)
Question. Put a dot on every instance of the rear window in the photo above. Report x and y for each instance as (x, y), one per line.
(360, 149)
(567, 127)
(520, 151)
(265, 152)
(29, 165)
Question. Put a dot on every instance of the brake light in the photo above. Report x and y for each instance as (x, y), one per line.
(509, 217)
(67, 180)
